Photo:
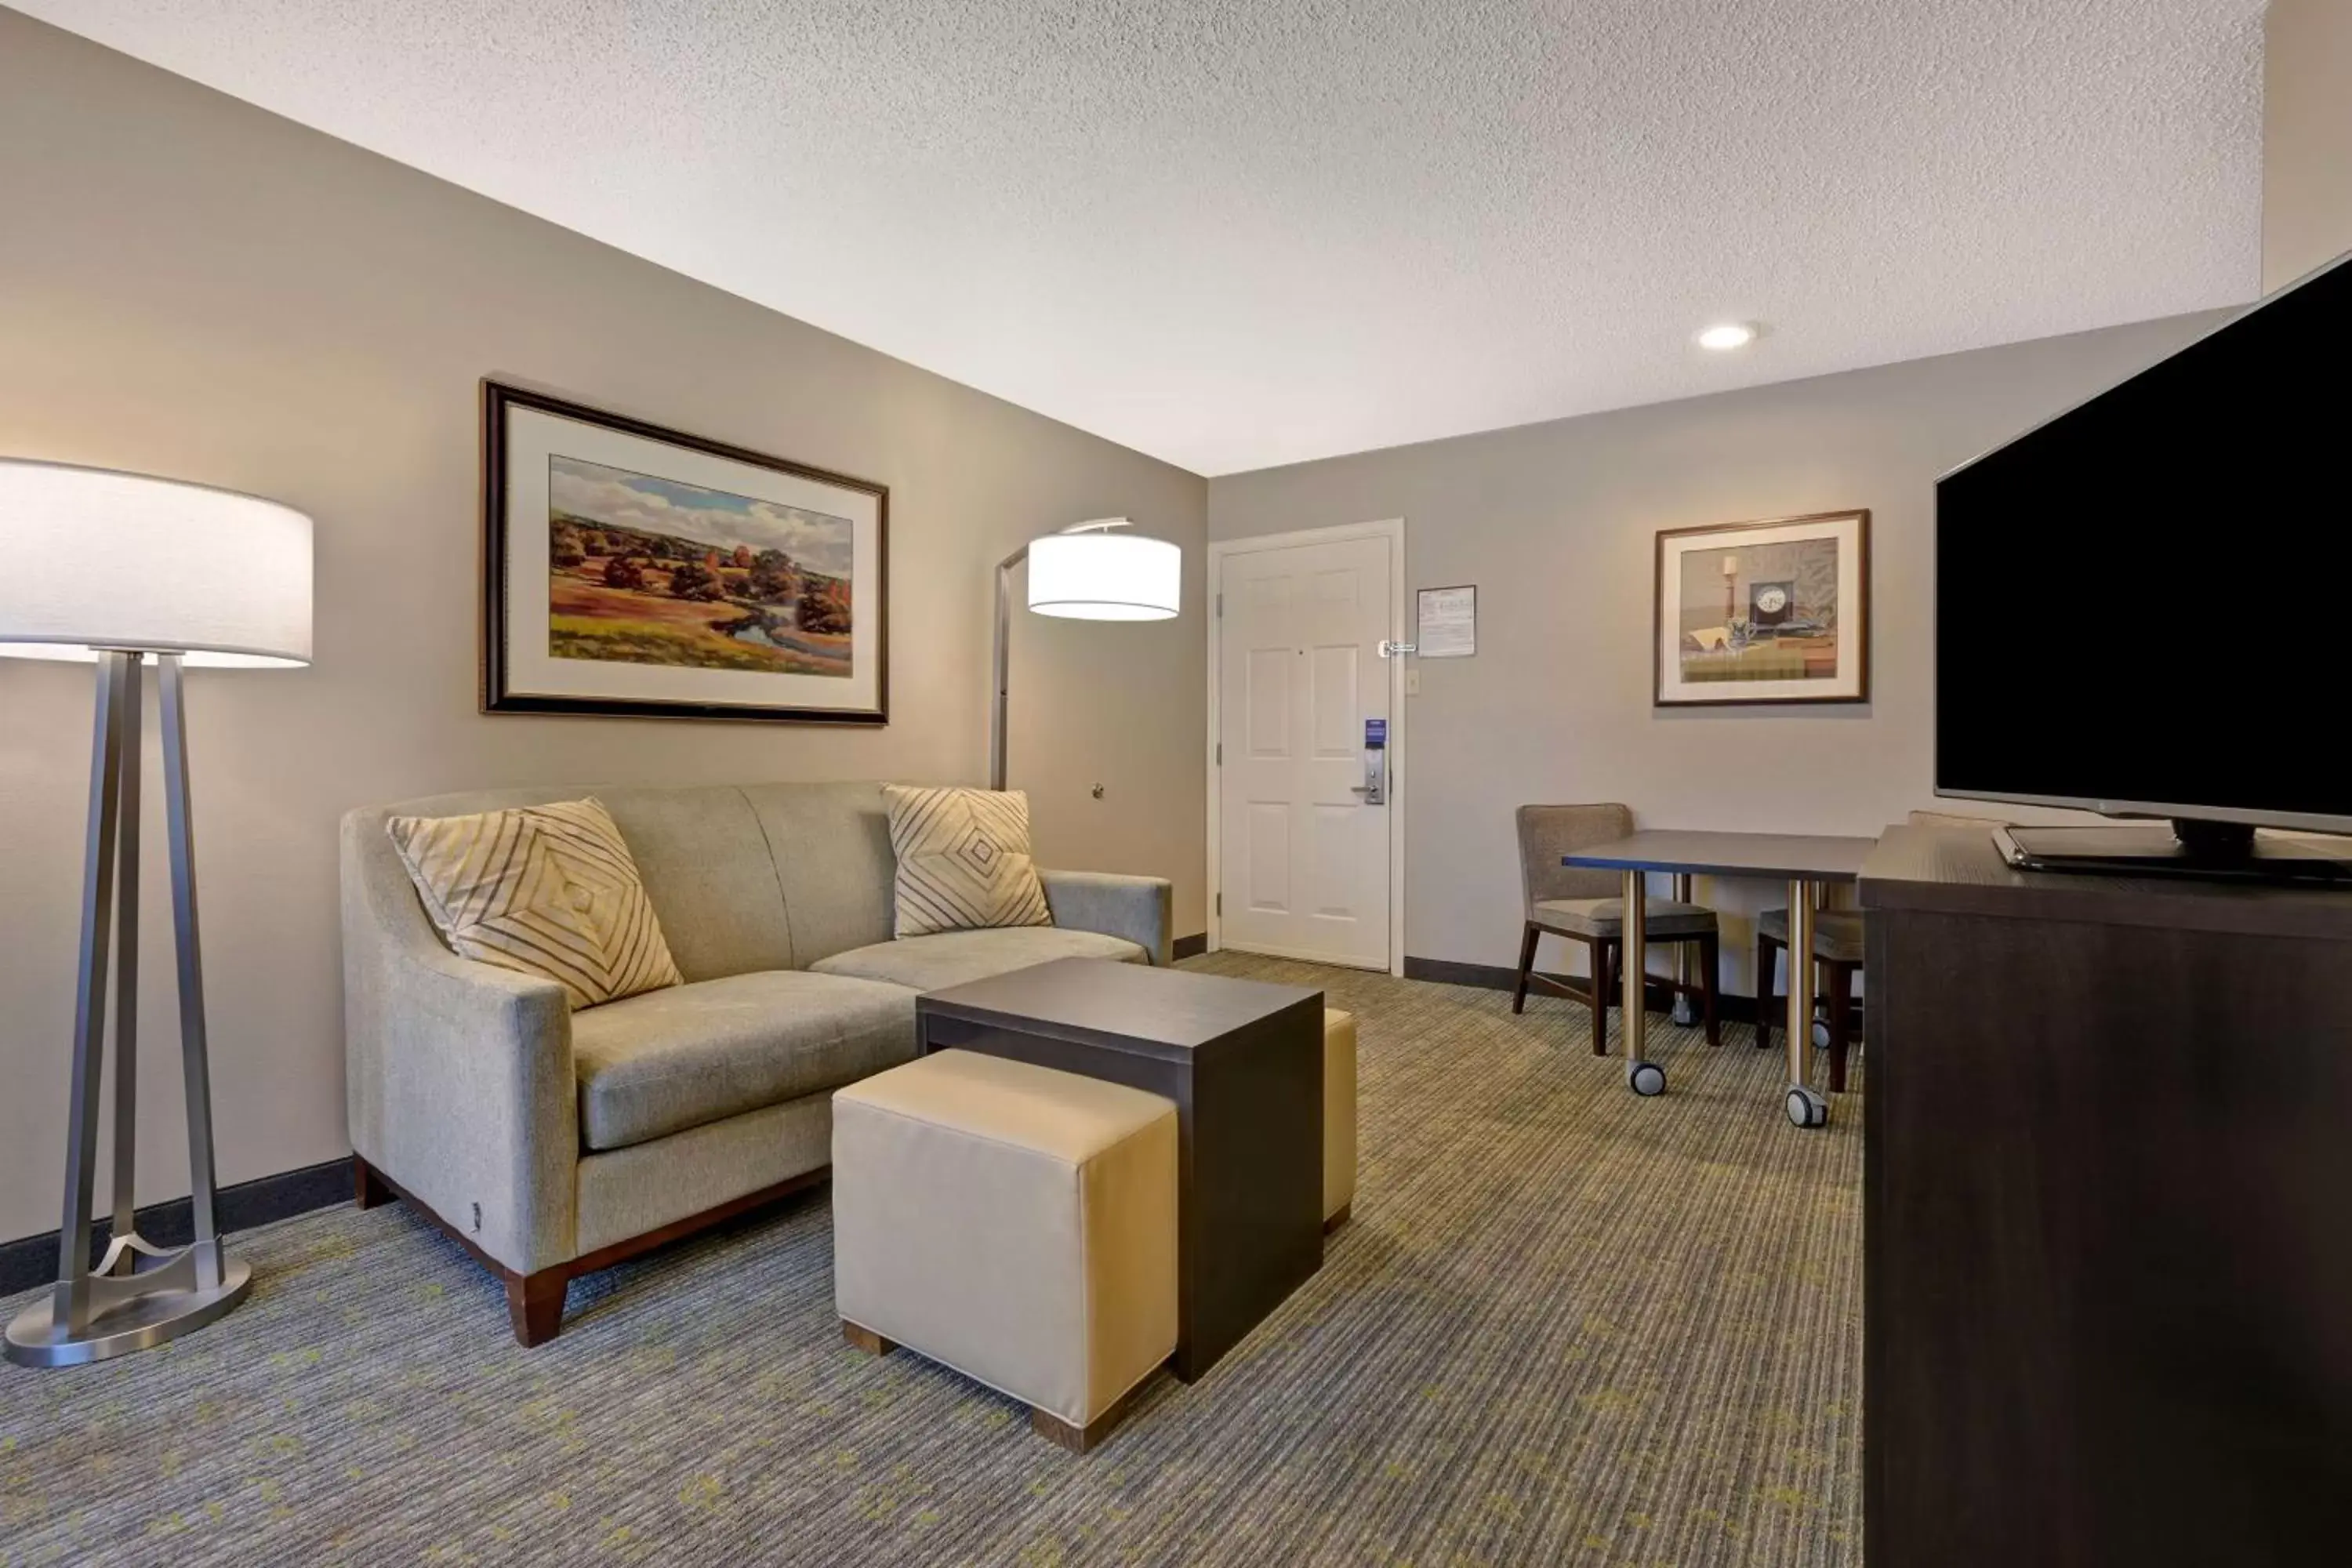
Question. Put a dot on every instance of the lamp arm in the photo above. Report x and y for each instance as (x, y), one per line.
(1001, 668)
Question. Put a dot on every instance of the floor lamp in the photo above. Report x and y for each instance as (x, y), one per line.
(1085, 572)
(121, 568)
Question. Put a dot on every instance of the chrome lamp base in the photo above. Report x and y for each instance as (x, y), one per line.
(147, 1309)
(118, 1306)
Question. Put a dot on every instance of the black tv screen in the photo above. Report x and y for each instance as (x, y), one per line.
(2144, 607)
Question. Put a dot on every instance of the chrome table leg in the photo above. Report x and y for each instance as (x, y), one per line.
(1644, 1077)
(1805, 1107)
(1686, 1010)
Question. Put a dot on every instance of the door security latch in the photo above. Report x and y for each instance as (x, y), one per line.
(1391, 649)
(1375, 787)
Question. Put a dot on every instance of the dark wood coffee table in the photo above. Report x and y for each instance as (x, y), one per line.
(1243, 1061)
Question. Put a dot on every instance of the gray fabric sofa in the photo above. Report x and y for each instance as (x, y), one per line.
(552, 1144)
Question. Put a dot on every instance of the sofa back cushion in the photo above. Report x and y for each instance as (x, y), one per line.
(744, 878)
(700, 851)
(708, 871)
(831, 848)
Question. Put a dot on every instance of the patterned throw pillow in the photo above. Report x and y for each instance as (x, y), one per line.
(547, 890)
(963, 859)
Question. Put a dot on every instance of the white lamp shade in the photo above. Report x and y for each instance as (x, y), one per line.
(98, 559)
(1105, 577)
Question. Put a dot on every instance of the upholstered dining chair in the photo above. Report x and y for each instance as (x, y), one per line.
(1587, 907)
(1838, 937)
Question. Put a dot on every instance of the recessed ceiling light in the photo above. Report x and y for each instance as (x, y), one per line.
(1725, 336)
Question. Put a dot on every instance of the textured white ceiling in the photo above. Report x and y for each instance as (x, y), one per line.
(1235, 233)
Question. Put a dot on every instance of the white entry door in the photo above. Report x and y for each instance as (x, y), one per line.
(1303, 848)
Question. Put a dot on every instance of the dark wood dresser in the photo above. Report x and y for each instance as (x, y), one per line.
(2108, 1189)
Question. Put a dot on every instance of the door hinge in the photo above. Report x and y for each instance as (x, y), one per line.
(1221, 903)
(1221, 607)
(1221, 753)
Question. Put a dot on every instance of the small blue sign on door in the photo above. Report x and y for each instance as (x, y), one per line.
(1376, 734)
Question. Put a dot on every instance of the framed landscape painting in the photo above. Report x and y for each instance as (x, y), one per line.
(1764, 612)
(635, 572)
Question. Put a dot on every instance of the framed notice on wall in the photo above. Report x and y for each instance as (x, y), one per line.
(1446, 622)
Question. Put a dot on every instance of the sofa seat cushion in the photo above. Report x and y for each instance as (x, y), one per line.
(956, 957)
(667, 1060)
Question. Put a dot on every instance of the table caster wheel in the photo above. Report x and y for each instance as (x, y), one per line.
(1807, 1109)
(1821, 1035)
(1646, 1079)
(1685, 1012)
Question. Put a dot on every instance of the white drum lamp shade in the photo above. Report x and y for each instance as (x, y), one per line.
(101, 560)
(1101, 576)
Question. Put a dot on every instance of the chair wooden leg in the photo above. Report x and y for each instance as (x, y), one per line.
(1710, 966)
(1602, 982)
(535, 1303)
(1840, 992)
(1768, 1006)
(1526, 965)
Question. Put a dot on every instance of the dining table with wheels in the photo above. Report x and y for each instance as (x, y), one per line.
(1805, 862)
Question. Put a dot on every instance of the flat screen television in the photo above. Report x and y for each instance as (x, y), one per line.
(2144, 604)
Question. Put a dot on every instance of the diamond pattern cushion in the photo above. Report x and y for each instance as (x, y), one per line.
(1837, 934)
(1606, 917)
(963, 861)
(547, 890)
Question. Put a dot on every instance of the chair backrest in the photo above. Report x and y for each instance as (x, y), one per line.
(1549, 832)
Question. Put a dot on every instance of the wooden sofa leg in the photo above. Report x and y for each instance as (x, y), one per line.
(368, 1189)
(535, 1303)
(865, 1338)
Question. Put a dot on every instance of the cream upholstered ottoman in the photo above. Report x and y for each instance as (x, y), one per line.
(1339, 1117)
(1014, 1223)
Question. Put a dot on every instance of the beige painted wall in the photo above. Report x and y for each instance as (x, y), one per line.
(192, 287)
(2306, 137)
(1556, 525)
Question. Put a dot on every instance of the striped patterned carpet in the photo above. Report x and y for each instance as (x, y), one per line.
(1565, 1327)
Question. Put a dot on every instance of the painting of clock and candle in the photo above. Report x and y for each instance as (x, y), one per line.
(1769, 612)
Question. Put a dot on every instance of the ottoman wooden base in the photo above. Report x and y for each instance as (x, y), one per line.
(1044, 1423)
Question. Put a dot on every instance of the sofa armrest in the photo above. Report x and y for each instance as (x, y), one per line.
(1141, 909)
(459, 1079)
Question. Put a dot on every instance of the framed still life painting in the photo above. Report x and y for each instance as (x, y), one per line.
(1764, 612)
(634, 572)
